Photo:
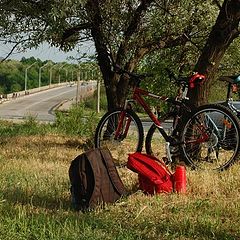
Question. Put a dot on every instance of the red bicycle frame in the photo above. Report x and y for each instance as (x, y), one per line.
(137, 96)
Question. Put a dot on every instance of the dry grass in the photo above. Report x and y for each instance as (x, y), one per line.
(35, 199)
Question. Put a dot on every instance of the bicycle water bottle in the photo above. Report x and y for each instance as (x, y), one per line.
(180, 179)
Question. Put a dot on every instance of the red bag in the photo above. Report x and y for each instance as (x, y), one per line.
(154, 176)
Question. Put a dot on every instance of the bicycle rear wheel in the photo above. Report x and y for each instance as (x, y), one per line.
(210, 138)
(129, 139)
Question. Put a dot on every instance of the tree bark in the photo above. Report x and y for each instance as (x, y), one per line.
(102, 52)
(116, 86)
(223, 33)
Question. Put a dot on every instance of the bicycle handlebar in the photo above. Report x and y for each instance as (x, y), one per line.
(195, 79)
(135, 78)
(192, 81)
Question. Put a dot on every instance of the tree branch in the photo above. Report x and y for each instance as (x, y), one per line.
(218, 4)
(73, 30)
(166, 42)
(132, 28)
(136, 19)
(13, 48)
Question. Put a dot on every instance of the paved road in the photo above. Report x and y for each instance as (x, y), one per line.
(40, 105)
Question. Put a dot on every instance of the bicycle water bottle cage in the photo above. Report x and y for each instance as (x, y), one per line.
(196, 79)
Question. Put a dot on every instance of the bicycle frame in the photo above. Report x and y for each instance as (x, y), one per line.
(229, 100)
(137, 96)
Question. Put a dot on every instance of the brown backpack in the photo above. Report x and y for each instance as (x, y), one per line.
(94, 179)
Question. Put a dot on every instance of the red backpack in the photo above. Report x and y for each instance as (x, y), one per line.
(154, 176)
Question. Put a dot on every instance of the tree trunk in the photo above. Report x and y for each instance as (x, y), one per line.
(223, 33)
(102, 52)
(116, 85)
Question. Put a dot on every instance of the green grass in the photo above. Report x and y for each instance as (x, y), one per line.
(77, 122)
(35, 197)
(91, 102)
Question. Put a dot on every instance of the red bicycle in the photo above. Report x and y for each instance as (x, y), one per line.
(205, 136)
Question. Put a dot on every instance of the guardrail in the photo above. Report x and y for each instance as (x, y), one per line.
(87, 91)
(33, 90)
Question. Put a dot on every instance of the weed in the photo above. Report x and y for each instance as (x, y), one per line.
(76, 122)
(35, 197)
(91, 102)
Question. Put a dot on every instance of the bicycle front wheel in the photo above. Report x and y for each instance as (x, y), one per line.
(210, 138)
(120, 139)
(155, 144)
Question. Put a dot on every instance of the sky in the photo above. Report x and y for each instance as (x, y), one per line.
(46, 52)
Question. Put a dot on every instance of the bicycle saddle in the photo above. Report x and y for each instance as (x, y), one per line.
(230, 79)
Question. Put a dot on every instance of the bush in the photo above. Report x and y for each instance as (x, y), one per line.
(91, 102)
(30, 126)
(76, 122)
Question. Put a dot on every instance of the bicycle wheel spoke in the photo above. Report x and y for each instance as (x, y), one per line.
(120, 139)
(211, 138)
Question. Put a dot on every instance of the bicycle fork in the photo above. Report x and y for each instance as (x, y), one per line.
(170, 142)
(123, 120)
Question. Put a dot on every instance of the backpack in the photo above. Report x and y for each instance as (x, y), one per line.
(94, 179)
(153, 174)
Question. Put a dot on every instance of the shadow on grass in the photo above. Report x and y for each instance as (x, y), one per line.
(159, 228)
(19, 196)
(84, 144)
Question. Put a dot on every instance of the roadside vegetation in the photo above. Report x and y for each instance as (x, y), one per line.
(15, 74)
(35, 197)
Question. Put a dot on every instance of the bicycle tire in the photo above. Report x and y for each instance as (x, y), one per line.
(149, 139)
(119, 148)
(154, 142)
(220, 149)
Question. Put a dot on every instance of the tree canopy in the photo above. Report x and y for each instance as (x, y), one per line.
(124, 31)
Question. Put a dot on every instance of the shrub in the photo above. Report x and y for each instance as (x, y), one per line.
(76, 122)
(92, 101)
(30, 126)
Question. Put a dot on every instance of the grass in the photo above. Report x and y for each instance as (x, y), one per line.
(35, 200)
(35, 197)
